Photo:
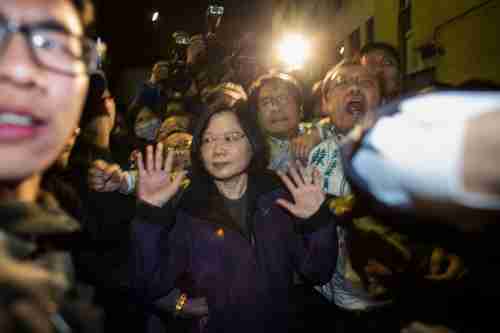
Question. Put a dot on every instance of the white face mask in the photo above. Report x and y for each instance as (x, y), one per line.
(147, 129)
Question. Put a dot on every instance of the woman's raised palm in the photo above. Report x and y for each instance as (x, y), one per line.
(155, 184)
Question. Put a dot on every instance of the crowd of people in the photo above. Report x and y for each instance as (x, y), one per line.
(230, 197)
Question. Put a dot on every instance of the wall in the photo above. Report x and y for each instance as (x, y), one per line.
(470, 42)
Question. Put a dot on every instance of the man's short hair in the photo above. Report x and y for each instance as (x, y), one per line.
(386, 47)
(236, 91)
(325, 84)
(291, 83)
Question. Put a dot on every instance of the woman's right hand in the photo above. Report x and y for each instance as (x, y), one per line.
(155, 184)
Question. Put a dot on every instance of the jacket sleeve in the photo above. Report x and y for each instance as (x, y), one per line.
(314, 246)
(160, 252)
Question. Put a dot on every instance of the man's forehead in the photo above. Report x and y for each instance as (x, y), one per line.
(354, 70)
(34, 11)
(274, 88)
(378, 54)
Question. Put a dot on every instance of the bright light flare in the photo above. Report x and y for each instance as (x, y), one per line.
(294, 51)
(155, 17)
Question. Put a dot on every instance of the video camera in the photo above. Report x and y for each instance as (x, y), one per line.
(215, 12)
(179, 77)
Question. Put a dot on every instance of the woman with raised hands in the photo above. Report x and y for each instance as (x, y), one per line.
(234, 236)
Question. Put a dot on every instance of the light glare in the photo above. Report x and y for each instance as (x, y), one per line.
(156, 15)
(294, 51)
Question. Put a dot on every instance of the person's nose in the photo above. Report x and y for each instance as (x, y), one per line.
(354, 88)
(219, 147)
(274, 106)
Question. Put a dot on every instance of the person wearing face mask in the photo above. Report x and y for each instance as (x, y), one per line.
(147, 123)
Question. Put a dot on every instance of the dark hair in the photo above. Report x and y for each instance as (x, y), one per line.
(231, 89)
(97, 87)
(386, 47)
(81, 6)
(291, 83)
(249, 124)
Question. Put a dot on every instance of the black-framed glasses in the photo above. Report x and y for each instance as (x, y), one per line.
(340, 82)
(227, 138)
(52, 46)
(278, 100)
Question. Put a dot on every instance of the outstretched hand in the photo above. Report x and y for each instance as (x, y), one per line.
(106, 177)
(305, 185)
(302, 145)
(155, 184)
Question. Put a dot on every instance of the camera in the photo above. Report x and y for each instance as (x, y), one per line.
(215, 10)
(181, 38)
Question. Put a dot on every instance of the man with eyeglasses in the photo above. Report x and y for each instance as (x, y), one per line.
(277, 100)
(371, 253)
(43, 81)
(44, 64)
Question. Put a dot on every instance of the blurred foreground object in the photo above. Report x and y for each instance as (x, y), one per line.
(434, 156)
(418, 327)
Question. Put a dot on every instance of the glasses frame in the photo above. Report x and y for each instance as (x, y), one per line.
(89, 56)
(339, 82)
(231, 138)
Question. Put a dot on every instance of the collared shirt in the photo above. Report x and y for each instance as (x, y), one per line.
(345, 288)
(280, 151)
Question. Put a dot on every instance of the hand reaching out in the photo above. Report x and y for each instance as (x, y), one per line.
(305, 184)
(302, 145)
(155, 184)
(106, 177)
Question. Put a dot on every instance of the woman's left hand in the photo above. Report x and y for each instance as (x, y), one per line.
(305, 184)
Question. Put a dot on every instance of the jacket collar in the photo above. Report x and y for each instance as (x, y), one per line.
(202, 200)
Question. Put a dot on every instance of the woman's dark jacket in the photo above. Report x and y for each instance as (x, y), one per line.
(195, 246)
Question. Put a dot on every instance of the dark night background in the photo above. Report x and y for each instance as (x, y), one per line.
(134, 41)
